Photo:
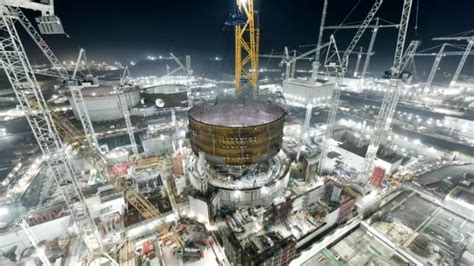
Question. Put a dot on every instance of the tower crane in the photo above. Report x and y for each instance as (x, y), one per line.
(365, 68)
(40, 42)
(375, 29)
(390, 100)
(438, 57)
(247, 35)
(409, 55)
(75, 88)
(290, 61)
(467, 51)
(402, 33)
(359, 33)
(20, 74)
(340, 72)
(186, 68)
(70, 81)
(125, 82)
(317, 56)
(49, 127)
(435, 66)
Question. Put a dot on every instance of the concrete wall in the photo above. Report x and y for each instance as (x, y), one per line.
(200, 209)
(306, 91)
(356, 162)
(106, 108)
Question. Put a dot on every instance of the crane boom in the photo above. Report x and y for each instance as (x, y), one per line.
(48, 127)
(40, 42)
(444, 54)
(375, 31)
(333, 105)
(347, 27)
(435, 66)
(402, 33)
(453, 38)
(186, 68)
(20, 74)
(290, 61)
(465, 54)
(124, 83)
(409, 54)
(320, 40)
(73, 136)
(340, 72)
(390, 100)
(359, 33)
(462, 62)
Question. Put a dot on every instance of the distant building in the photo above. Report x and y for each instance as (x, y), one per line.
(302, 92)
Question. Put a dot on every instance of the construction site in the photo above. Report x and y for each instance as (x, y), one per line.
(312, 156)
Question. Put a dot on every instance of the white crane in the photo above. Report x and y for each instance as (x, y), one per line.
(390, 100)
(365, 68)
(340, 72)
(435, 66)
(467, 52)
(75, 88)
(409, 55)
(290, 60)
(438, 57)
(316, 63)
(402, 34)
(40, 42)
(187, 69)
(125, 82)
(375, 29)
(20, 74)
(70, 81)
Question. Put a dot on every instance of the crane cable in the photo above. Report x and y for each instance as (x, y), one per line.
(348, 15)
(416, 18)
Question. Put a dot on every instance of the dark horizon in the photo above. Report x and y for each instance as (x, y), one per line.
(121, 31)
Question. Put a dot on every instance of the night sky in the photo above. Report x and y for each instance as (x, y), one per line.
(119, 30)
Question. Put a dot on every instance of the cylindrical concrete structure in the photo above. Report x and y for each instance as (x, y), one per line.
(166, 96)
(249, 189)
(234, 133)
(103, 103)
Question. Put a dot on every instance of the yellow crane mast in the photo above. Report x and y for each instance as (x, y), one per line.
(247, 37)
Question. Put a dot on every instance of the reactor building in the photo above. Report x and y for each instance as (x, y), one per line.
(237, 152)
(102, 102)
(166, 96)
